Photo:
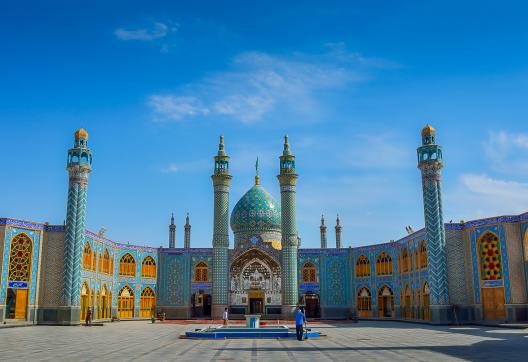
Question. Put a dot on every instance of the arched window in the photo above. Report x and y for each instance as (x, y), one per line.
(20, 258)
(422, 255)
(148, 268)
(94, 260)
(201, 272)
(362, 267)
(309, 273)
(125, 302)
(383, 265)
(490, 257)
(87, 257)
(147, 302)
(105, 263)
(127, 266)
(407, 302)
(364, 302)
(405, 260)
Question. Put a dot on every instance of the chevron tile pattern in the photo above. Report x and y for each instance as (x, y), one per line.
(69, 243)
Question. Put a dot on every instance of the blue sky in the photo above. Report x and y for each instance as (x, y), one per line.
(352, 83)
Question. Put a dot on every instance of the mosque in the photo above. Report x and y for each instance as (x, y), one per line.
(444, 273)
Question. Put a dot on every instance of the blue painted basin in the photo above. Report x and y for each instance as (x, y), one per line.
(222, 332)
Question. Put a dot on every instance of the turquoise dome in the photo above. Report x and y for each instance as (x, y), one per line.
(256, 211)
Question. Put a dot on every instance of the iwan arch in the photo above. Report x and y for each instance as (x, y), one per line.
(464, 272)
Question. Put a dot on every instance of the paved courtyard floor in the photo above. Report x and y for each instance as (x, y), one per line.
(382, 341)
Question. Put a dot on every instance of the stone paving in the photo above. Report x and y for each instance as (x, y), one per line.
(382, 341)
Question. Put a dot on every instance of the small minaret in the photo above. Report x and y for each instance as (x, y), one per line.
(79, 167)
(430, 163)
(323, 233)
(221, 181)
(290, 239)
(338, 229)
(187, 236)
(172, 233)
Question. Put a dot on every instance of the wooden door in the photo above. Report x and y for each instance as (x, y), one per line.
(493, 303)
(21, 303)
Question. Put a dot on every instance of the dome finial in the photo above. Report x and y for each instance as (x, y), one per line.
(428, 130)
(81, 133)
(286, 151)
(257, 177)
(221, 150)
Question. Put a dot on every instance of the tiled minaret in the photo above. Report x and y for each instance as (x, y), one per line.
(322, 228)
(221, 182)
(288, 181)
(172, 233)
(430, 164)
(79, 166)
(187, 235)
(338, 230)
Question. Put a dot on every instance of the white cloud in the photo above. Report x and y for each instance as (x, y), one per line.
(257, 84)
(170, 168)
(169, 107)
(157, 31)
(484, 196)
(508, 152)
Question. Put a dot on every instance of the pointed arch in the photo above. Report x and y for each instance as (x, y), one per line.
(404, 257)
(105, 262)
(422, 255)
(490, 256)
(426, 313)
(383, 264)
(127, 266)
(21, 252)
(85, 299)
(87, 256)
(309, 272)
(362, 267)
(201, 272)
(147, 302)
(364, 302)
(385, 302)
(148, 267)
(125, 302)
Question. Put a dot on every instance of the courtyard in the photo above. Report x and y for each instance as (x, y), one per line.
(367, 340)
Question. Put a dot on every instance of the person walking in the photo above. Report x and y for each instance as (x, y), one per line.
(299, 323)
(88, 320)
(225, 317)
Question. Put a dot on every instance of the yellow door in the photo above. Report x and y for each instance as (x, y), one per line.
(493, 303)
(21, 303)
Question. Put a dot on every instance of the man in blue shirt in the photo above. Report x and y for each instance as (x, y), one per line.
(300, 319)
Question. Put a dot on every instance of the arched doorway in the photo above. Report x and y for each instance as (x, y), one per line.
(425, 302)
(491, 269)
(385, 302)
(125, 303)
(147, 302)
(105, 305)
(85, 300)
(311, 301)
(407, 302)
(364, 302)
(21, 252)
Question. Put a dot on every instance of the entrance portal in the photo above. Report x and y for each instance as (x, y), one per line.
(256, 301)
(311, 300)
(16, 303)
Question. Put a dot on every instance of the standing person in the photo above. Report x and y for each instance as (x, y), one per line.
(88, 320)
(225, 317)
(299, 323)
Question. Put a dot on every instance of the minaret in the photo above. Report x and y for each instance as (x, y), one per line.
(79, 166)
(221, 182)
(172, 233)
(323, 233)
(288, 180)
(430, 164)
(187, 236)
(338, 229)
